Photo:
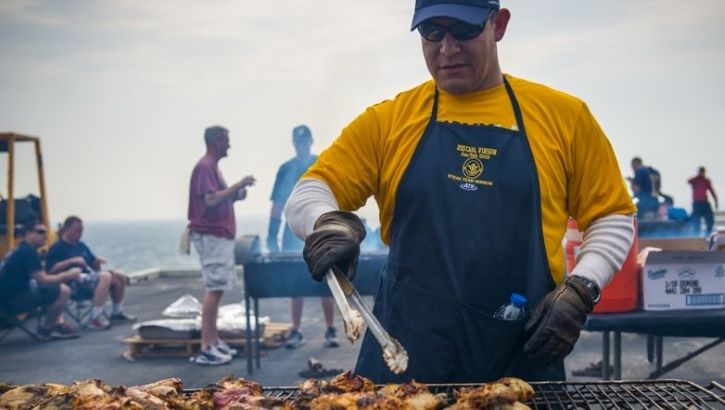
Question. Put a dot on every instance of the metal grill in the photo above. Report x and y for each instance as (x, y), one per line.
(644, 395)
(663, 394)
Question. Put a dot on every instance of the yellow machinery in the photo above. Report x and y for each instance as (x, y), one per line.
(8, 236)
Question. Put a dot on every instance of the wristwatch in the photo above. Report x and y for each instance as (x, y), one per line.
(592, 287)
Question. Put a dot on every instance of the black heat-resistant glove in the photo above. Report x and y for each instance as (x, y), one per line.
(335, 243)
(558, 320)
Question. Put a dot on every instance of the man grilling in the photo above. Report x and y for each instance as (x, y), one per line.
(475, 174)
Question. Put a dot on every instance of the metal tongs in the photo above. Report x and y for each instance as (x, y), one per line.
(355, 313)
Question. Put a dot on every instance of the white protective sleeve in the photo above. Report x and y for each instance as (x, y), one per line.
(606, 243)
(607, 240)
(309, 199)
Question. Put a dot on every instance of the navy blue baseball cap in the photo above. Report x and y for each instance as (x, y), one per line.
(470, 11)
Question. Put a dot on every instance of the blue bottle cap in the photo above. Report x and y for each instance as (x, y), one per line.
(518, 300)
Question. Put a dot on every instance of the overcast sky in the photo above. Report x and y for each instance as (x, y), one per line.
(120, 91)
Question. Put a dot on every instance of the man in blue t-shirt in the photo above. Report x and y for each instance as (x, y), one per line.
(71, 252)
(287, 176)
(24, 285)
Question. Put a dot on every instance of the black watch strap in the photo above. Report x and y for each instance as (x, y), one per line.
(592, 287)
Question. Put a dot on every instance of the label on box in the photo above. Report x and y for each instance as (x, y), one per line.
(684, 280)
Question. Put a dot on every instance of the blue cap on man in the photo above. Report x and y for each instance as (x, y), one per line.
(470, 11)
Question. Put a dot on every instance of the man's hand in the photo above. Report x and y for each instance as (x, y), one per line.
(558, 320)
(335, 243)
(99, 262)
(71, 274)
(240, 188)
(245, 182)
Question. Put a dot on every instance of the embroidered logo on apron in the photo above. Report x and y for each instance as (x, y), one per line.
(472, 167)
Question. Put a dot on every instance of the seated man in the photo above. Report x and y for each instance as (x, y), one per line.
(22, 272)
(71, 252)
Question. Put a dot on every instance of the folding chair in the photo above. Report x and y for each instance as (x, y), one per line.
(11, 321)
(80, 309)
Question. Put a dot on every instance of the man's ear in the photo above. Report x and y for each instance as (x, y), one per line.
(501, 21)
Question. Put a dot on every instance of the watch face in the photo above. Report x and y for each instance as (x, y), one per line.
(594, 290)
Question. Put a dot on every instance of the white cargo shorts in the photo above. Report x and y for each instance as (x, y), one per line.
(216, 255)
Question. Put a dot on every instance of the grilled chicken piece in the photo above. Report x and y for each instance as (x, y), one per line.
(523, 390)
(347, 382)
(146, 400)
(243, 386)
(313, 387)
(30, 395)
(163, 389)
(506, 394)
(90, 388)
(229, 390)
(415, 395)
(308, 391)
(199, 400)
(110, 403)
(257, 403)
(357, 401)
(83, 395)
(94, 394)
(6, 387)
(69, 401)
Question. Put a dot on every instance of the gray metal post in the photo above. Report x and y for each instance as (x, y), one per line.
(617, 355)
(248, 345)
(605, 355)
(258, 335)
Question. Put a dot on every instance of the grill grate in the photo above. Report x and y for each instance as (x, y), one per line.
(644, 395)
(663, 394)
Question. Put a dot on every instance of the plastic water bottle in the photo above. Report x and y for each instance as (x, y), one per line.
(514, 310)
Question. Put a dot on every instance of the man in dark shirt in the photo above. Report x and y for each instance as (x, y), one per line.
(287, 176)
(643, 189)
(22, 273)
(71, 252)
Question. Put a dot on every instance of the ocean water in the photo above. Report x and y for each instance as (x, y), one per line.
(136, 245)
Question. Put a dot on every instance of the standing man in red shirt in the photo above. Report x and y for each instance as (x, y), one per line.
(212, 228)
(700, 204)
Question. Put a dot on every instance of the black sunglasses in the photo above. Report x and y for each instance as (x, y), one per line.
(41, 231)
(460, 30)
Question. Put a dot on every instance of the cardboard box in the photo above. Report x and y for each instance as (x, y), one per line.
(684, 280)
(674, 244)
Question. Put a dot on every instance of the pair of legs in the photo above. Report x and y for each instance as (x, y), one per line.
(297, 305)
(702, 210)
(109, 283)
(647, 206)
(54, 297)
(216, 255)
(55, 310)
(209, 315)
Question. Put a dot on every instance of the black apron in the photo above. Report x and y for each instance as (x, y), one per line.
(466, 234)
